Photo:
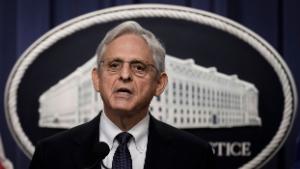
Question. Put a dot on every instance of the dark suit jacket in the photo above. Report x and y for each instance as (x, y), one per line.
(168, 148)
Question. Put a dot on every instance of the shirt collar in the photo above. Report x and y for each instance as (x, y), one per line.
(108, 131)
(140, 133)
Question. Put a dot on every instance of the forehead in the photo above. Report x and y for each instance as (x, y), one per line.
(128, 47)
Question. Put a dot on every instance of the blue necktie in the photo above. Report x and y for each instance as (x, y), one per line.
(122, 157)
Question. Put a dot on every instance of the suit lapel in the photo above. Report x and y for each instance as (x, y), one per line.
(159, 149)
(88, 135)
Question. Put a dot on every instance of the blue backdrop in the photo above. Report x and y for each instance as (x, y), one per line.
(23, 21)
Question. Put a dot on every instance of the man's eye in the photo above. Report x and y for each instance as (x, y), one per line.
(114, 65)
(139, 67)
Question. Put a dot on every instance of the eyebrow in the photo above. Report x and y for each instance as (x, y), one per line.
(133, 60)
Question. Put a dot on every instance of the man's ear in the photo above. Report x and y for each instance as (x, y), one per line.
(96, 79)
(162, 83)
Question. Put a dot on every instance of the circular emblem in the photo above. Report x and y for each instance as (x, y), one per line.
(226, 84)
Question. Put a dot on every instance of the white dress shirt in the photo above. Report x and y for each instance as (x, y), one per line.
(137, 145)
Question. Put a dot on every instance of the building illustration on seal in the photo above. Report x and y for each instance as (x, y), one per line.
(196, 97)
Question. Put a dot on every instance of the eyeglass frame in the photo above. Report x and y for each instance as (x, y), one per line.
(131, 63)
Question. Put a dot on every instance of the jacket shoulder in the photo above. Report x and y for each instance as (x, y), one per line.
(180, 136)
(78, 133)
(190, 151)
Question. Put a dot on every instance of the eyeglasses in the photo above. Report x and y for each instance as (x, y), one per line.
(138, 68)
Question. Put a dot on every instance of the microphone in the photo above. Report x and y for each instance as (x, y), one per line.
(100, 150)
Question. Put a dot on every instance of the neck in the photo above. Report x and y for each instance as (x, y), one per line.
(125, 120)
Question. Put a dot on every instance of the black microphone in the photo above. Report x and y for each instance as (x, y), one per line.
(100, 150)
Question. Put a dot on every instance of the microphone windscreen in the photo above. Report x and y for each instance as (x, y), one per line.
(101, 150)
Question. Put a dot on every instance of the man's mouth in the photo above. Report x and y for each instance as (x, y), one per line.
(124, 90)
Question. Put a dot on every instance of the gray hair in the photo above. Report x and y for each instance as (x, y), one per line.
(132, 27)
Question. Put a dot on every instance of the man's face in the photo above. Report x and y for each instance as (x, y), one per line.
(124, 91)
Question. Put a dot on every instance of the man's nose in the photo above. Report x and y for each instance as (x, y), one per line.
(125, 72)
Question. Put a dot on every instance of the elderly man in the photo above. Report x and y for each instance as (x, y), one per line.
(130, 71)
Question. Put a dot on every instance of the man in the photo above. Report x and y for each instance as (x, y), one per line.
(130, 71)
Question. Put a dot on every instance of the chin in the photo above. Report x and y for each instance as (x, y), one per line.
(124, 107)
